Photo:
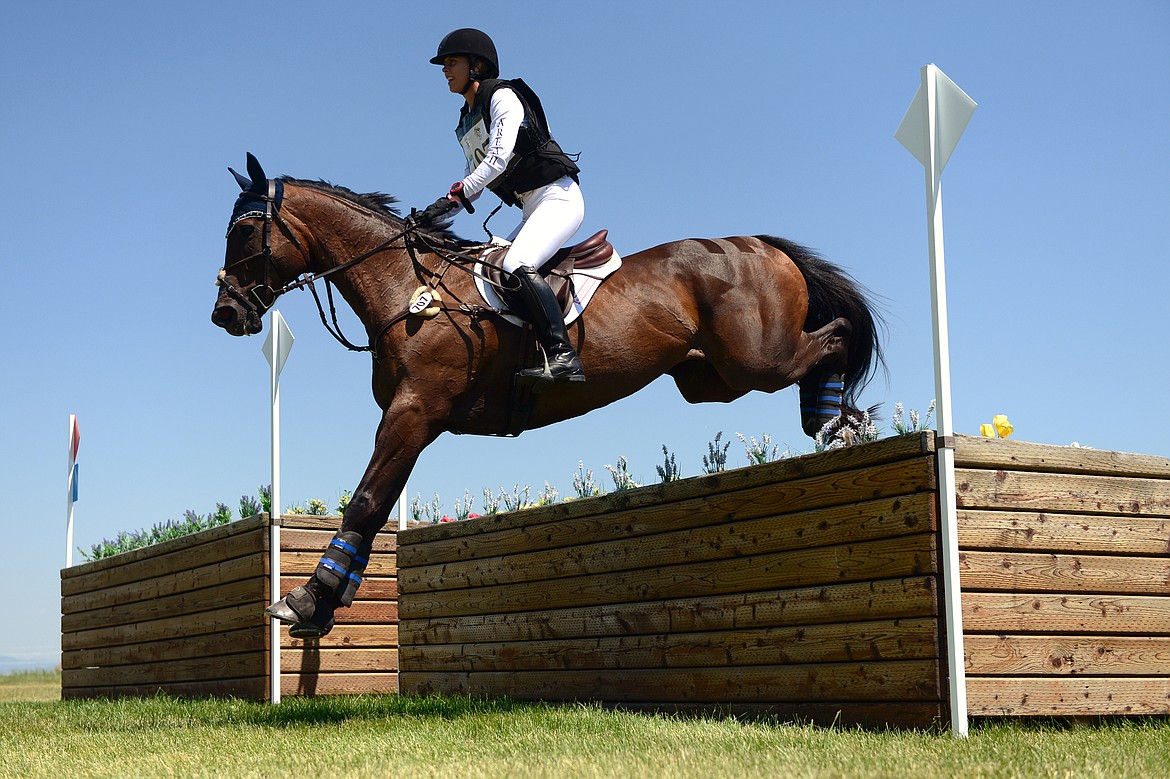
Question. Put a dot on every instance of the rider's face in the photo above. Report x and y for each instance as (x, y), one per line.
(457, 71)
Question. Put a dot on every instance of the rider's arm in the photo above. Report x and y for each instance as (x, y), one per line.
(507, 113)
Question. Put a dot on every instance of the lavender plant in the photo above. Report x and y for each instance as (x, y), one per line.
(491, 503)
(583, 483)
(715, 460)
(517, 500)
(668, 471)
(757, 451)
(463, 506)
(902, 426)
(622, 480)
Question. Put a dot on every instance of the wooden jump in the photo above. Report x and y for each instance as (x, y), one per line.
(186, 618)
(809, 587)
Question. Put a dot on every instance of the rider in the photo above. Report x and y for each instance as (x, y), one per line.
(509, 150)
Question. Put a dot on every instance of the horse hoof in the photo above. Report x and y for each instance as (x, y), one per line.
(282, 611)
(309, 630)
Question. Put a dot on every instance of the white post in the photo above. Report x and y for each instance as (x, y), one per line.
(71, 488)
(402, 509)
(276, 349)
(930, 130)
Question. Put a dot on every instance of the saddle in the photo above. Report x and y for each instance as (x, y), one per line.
(593, 252)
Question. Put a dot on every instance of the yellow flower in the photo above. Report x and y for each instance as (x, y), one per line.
(1002, 425)
(987, 430)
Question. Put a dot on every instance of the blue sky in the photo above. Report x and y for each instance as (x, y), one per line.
(694, 120)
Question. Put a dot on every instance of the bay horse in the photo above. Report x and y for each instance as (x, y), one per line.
(722, 317)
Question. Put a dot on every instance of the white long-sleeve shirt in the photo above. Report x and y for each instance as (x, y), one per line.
(489, 150)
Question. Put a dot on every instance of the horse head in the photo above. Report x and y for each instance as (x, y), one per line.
(259, 260)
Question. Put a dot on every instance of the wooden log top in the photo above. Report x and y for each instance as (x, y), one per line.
(175, 544)
(788, 469)
(1007, 455)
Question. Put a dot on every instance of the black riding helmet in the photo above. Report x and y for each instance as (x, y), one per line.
(470, 43)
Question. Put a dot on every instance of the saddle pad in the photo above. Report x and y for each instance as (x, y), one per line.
(585, 283)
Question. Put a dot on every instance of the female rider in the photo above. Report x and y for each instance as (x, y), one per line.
(506, 140)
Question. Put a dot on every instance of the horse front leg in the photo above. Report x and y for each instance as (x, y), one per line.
(402, 435)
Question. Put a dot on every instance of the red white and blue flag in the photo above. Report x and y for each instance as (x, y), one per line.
(71, 495)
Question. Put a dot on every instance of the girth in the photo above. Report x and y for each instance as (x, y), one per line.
(594, 251)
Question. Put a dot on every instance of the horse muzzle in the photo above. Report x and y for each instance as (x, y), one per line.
(236, 320)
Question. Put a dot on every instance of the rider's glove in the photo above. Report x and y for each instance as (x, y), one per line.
(432, 213)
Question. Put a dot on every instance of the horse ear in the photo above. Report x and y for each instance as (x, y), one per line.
(244, 182)
(259, 180)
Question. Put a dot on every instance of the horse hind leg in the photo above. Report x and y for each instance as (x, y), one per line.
(822, 388)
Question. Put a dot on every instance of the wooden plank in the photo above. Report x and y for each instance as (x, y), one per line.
(1038, 531)
(223, 666)
(309, 540)
(214, 622)
(1001, 612)
(338, 684)
(183, 604)
(997, 696)
(889, 558)
(1062, 492)
(904, 477)
(167, 649)
(1027, 572)
(837, 460)
(856, 523)
(1021, 655)
(994, 453)
(185, 543)
(371, 636)
(317, 661)
(168, 560)
(250, 567)
(253, 688)
(304, 563)
(884, 640)
(870, 600)
(373, 588)
(897, 680)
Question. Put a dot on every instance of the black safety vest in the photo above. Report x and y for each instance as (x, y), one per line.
(538, 159)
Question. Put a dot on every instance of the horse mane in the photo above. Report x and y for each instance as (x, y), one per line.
(378, 203)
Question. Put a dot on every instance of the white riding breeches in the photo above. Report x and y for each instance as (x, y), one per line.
(552, 215)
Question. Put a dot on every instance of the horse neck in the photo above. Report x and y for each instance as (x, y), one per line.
(375, 288)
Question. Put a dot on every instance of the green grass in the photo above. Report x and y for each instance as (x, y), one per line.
(461, 737)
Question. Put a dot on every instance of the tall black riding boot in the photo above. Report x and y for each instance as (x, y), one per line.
(545, 315)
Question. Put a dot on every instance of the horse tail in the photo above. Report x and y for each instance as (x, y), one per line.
(834, 293)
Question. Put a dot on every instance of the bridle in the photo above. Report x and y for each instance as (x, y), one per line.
(263, 296)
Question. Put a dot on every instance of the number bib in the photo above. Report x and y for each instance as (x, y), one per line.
(473, 137)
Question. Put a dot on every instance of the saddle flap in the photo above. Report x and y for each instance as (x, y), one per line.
(593, 252)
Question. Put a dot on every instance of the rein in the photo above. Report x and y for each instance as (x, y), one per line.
(271, 214)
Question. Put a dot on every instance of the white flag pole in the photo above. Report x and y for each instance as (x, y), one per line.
(930, 130)
(71, 488)
(276, 348)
